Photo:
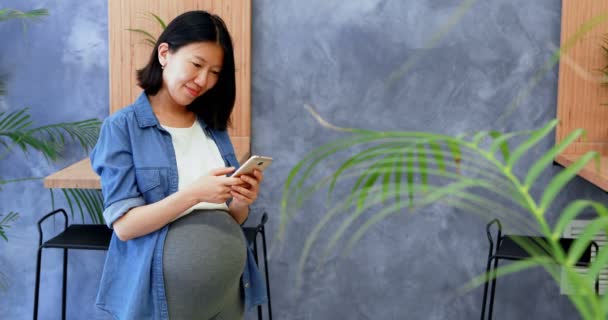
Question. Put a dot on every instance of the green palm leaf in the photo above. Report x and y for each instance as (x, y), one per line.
(530, 142)
(459, 172)
(5, 221)
(562, 178)
(2, 86)
(148, 37)
(160, 21)
(32, 15)
(84, 201)
(16, 130)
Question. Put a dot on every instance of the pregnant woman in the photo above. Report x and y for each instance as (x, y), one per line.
(177, 251)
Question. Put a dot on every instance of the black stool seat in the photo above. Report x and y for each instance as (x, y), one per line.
(510, 249)
(82, 236)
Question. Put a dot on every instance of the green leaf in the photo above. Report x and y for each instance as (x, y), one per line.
(160, 21)
(510, 268)
(584, 239)
(396, 207)
(366, 155)
(502, 143)
(479, 137)
(386, 183)
(5, 223)
(549, 157)
(438, 154)
(536, 137)
(8, 121)
(399, 163)
(8, 14)
(69, 200)
(49, 139)
(571, 212)
(423, 163)
(599, 264)
(369, 176)
(562, 178)
(409, 175)
(149, 39)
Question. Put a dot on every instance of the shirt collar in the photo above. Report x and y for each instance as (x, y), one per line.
(145, 116)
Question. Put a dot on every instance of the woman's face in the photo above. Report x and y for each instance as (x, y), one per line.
(191, 70)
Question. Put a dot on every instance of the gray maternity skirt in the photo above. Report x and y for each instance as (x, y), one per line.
(203, 259)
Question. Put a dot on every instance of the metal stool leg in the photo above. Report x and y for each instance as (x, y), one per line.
(255, 253)
(491, 307)
(266, 271)
(485, 287)
(37, 289)
(491, 254)
(65, 280)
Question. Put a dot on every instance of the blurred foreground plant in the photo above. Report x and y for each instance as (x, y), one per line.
(399, 172)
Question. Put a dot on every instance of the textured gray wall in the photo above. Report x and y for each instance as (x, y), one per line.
(337, 56)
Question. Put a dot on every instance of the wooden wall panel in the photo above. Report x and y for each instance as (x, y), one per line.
(580, 92)
(128, 52)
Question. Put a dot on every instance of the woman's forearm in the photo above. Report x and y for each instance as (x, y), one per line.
(145, 219)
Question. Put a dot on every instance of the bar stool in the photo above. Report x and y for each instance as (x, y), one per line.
(76, 236)
(98, 236)
(251, 234)
(507, 248)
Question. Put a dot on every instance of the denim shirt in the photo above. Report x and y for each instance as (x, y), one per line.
(136, 161)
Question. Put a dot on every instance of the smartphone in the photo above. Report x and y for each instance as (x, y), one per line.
(255, 162)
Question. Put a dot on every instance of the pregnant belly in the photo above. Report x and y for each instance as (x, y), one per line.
(204, 254)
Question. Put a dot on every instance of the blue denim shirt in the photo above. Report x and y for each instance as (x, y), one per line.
(136, 161)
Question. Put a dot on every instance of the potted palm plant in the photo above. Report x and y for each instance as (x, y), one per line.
(18, 132)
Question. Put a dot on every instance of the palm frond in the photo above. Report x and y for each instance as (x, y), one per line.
(83, 201)
(16, 130)
(24, 17)
(2, 85)
(463, 172)
(148, 37)
(32, 15)
(160, 21)
(5, 221)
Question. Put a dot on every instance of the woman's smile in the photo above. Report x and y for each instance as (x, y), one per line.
(193, 92)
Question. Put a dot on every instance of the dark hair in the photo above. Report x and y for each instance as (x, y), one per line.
(215, 106)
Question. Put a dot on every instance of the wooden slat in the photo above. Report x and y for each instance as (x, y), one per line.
(581, 94)
(128, 52)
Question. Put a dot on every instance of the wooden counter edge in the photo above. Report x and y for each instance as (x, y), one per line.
(80, 175)
(589, 172)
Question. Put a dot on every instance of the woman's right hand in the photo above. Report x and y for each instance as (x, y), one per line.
(214, 187)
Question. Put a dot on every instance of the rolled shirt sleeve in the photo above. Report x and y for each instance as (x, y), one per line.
(112, 160)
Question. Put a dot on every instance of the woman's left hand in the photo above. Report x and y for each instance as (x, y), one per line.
(245, 194)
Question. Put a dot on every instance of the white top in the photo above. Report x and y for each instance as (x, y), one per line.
(196, 154)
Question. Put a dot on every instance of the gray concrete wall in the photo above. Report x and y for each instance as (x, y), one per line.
(338, 57)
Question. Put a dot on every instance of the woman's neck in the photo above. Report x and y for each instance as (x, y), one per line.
(169, 113)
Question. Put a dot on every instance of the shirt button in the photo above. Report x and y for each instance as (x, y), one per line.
(246, 284)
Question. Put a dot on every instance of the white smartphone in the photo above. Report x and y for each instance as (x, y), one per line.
(255, 162)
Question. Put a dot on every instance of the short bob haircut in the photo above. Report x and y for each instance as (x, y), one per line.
(215, 106)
